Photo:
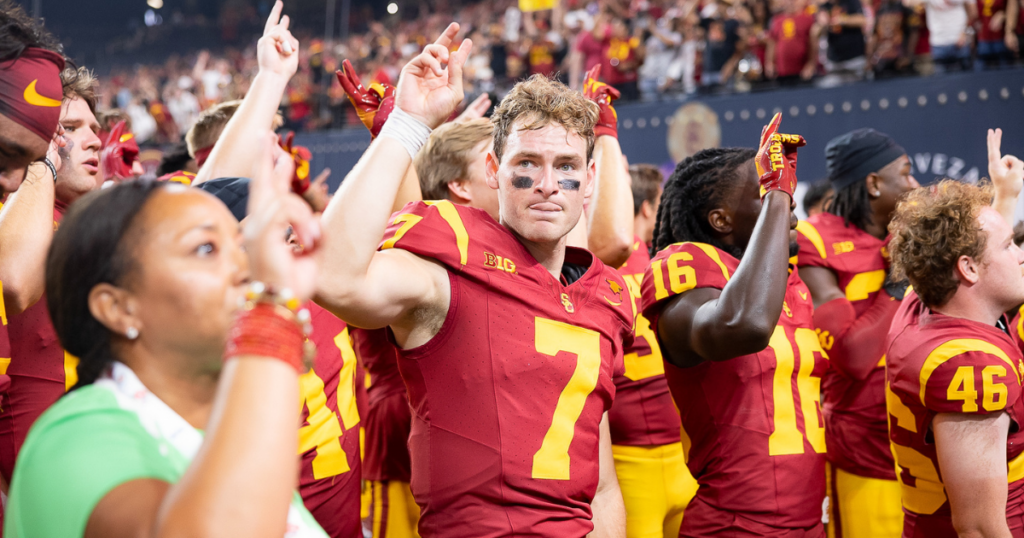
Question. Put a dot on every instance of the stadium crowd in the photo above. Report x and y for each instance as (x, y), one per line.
(648, 49)
(497, 326)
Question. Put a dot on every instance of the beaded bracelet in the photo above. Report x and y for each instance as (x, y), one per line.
(272, 325)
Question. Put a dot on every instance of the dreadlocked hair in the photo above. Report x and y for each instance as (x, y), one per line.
(853, 205)
(697, 185)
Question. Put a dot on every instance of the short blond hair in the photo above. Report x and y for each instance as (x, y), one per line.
(931, 229)
(538, 101)
(79, 83)
(447, 155)
(205, 132)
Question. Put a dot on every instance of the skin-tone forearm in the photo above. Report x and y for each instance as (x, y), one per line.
(233, 155)
(26, 231)
(610, 214)
(769, 58)
(971, 450)
(739, 319)
(229, 489)
(608, 507)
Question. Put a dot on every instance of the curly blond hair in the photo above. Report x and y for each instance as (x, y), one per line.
(931, 229)
(538, 101)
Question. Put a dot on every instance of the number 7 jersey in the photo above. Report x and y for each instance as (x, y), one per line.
(508, 397)
(752, 424)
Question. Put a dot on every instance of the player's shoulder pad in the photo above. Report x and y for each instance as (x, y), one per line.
(815, 235)
(682, 267)
(439, 230)
(968, 375)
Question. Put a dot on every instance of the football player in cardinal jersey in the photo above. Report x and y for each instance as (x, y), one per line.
(508, 339)
(952, 370)
(742, 359)
(843, 260)
(656, 485)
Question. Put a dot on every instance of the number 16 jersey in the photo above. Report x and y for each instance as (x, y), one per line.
(508, 396)
(753, 423)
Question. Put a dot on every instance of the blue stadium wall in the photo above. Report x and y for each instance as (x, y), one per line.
(940, 120)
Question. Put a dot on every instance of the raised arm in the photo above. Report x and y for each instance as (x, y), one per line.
(971, 450)
(358, 284)
(717, 325)
(26, 231)
(610, 213)
(1007, 175)
(278, 54)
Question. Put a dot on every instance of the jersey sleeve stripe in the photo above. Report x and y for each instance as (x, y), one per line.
(452, 217)
(70, 371)
(811, 233)
(1020, 321)
(904, 416)
(956, 347)
(712, 253)
(410, 220)
(1015, 469)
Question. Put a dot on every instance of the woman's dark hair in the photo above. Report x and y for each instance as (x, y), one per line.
(853, 205)
(92, 246)
(19, 31)
(697, 186)
(173, 160)
(818, 191)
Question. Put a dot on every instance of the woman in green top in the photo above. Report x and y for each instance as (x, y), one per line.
(162, 436)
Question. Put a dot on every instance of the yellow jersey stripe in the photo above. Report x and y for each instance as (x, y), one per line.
(713, 254)
(70, 370)
(454, 220)
(811, 233)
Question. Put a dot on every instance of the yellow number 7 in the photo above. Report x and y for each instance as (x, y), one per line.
(551, 462)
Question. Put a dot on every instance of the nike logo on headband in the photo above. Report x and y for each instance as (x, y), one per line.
(32, 97)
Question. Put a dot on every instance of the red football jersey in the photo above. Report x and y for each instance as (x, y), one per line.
(856, 427)
(643, 412)
(508, 397)
(940, 364)
(40, 372)
(987, 9)
(388, 417)
(329, 481)
(752, 424)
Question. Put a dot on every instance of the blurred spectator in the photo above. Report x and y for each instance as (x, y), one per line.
(818, 197)
(724, 44)
(991, 29)
(792, 52)
(845, 60)
(950, 31)
(622, 58)
(891, 48)
(662, 45)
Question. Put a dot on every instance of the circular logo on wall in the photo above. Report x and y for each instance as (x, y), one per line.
(694, 127)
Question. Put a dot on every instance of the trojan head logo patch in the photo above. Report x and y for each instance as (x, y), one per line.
(616, 290)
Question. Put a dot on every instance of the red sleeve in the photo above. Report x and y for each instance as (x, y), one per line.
(968, 376)
(773, 32)
(680, 268)
(850, 340)
(434, 230)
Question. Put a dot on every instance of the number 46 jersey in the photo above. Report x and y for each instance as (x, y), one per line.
(753, 423)
(508, 397)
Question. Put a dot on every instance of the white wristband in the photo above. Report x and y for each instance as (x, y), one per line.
(409, 131)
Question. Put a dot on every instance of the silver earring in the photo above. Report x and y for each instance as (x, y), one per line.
(132, 333)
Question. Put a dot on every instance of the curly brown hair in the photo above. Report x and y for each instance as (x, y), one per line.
(931, 229)
(539, 101)
(79, 83)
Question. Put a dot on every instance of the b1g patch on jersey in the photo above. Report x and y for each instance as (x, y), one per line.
(494, 261)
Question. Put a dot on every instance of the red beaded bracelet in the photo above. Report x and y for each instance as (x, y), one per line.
(263, 331)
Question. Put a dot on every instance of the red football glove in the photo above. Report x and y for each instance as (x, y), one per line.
(302, 156)
(603, 95)
(776, 159)
(119, 153)
(373, 106)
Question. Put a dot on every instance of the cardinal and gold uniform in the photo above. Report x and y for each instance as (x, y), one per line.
(507, 398)
(940, 364)
(40, 372)
(329, 481)
(752, 426)
(386, 467)
(864, 494)
(649, 461)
